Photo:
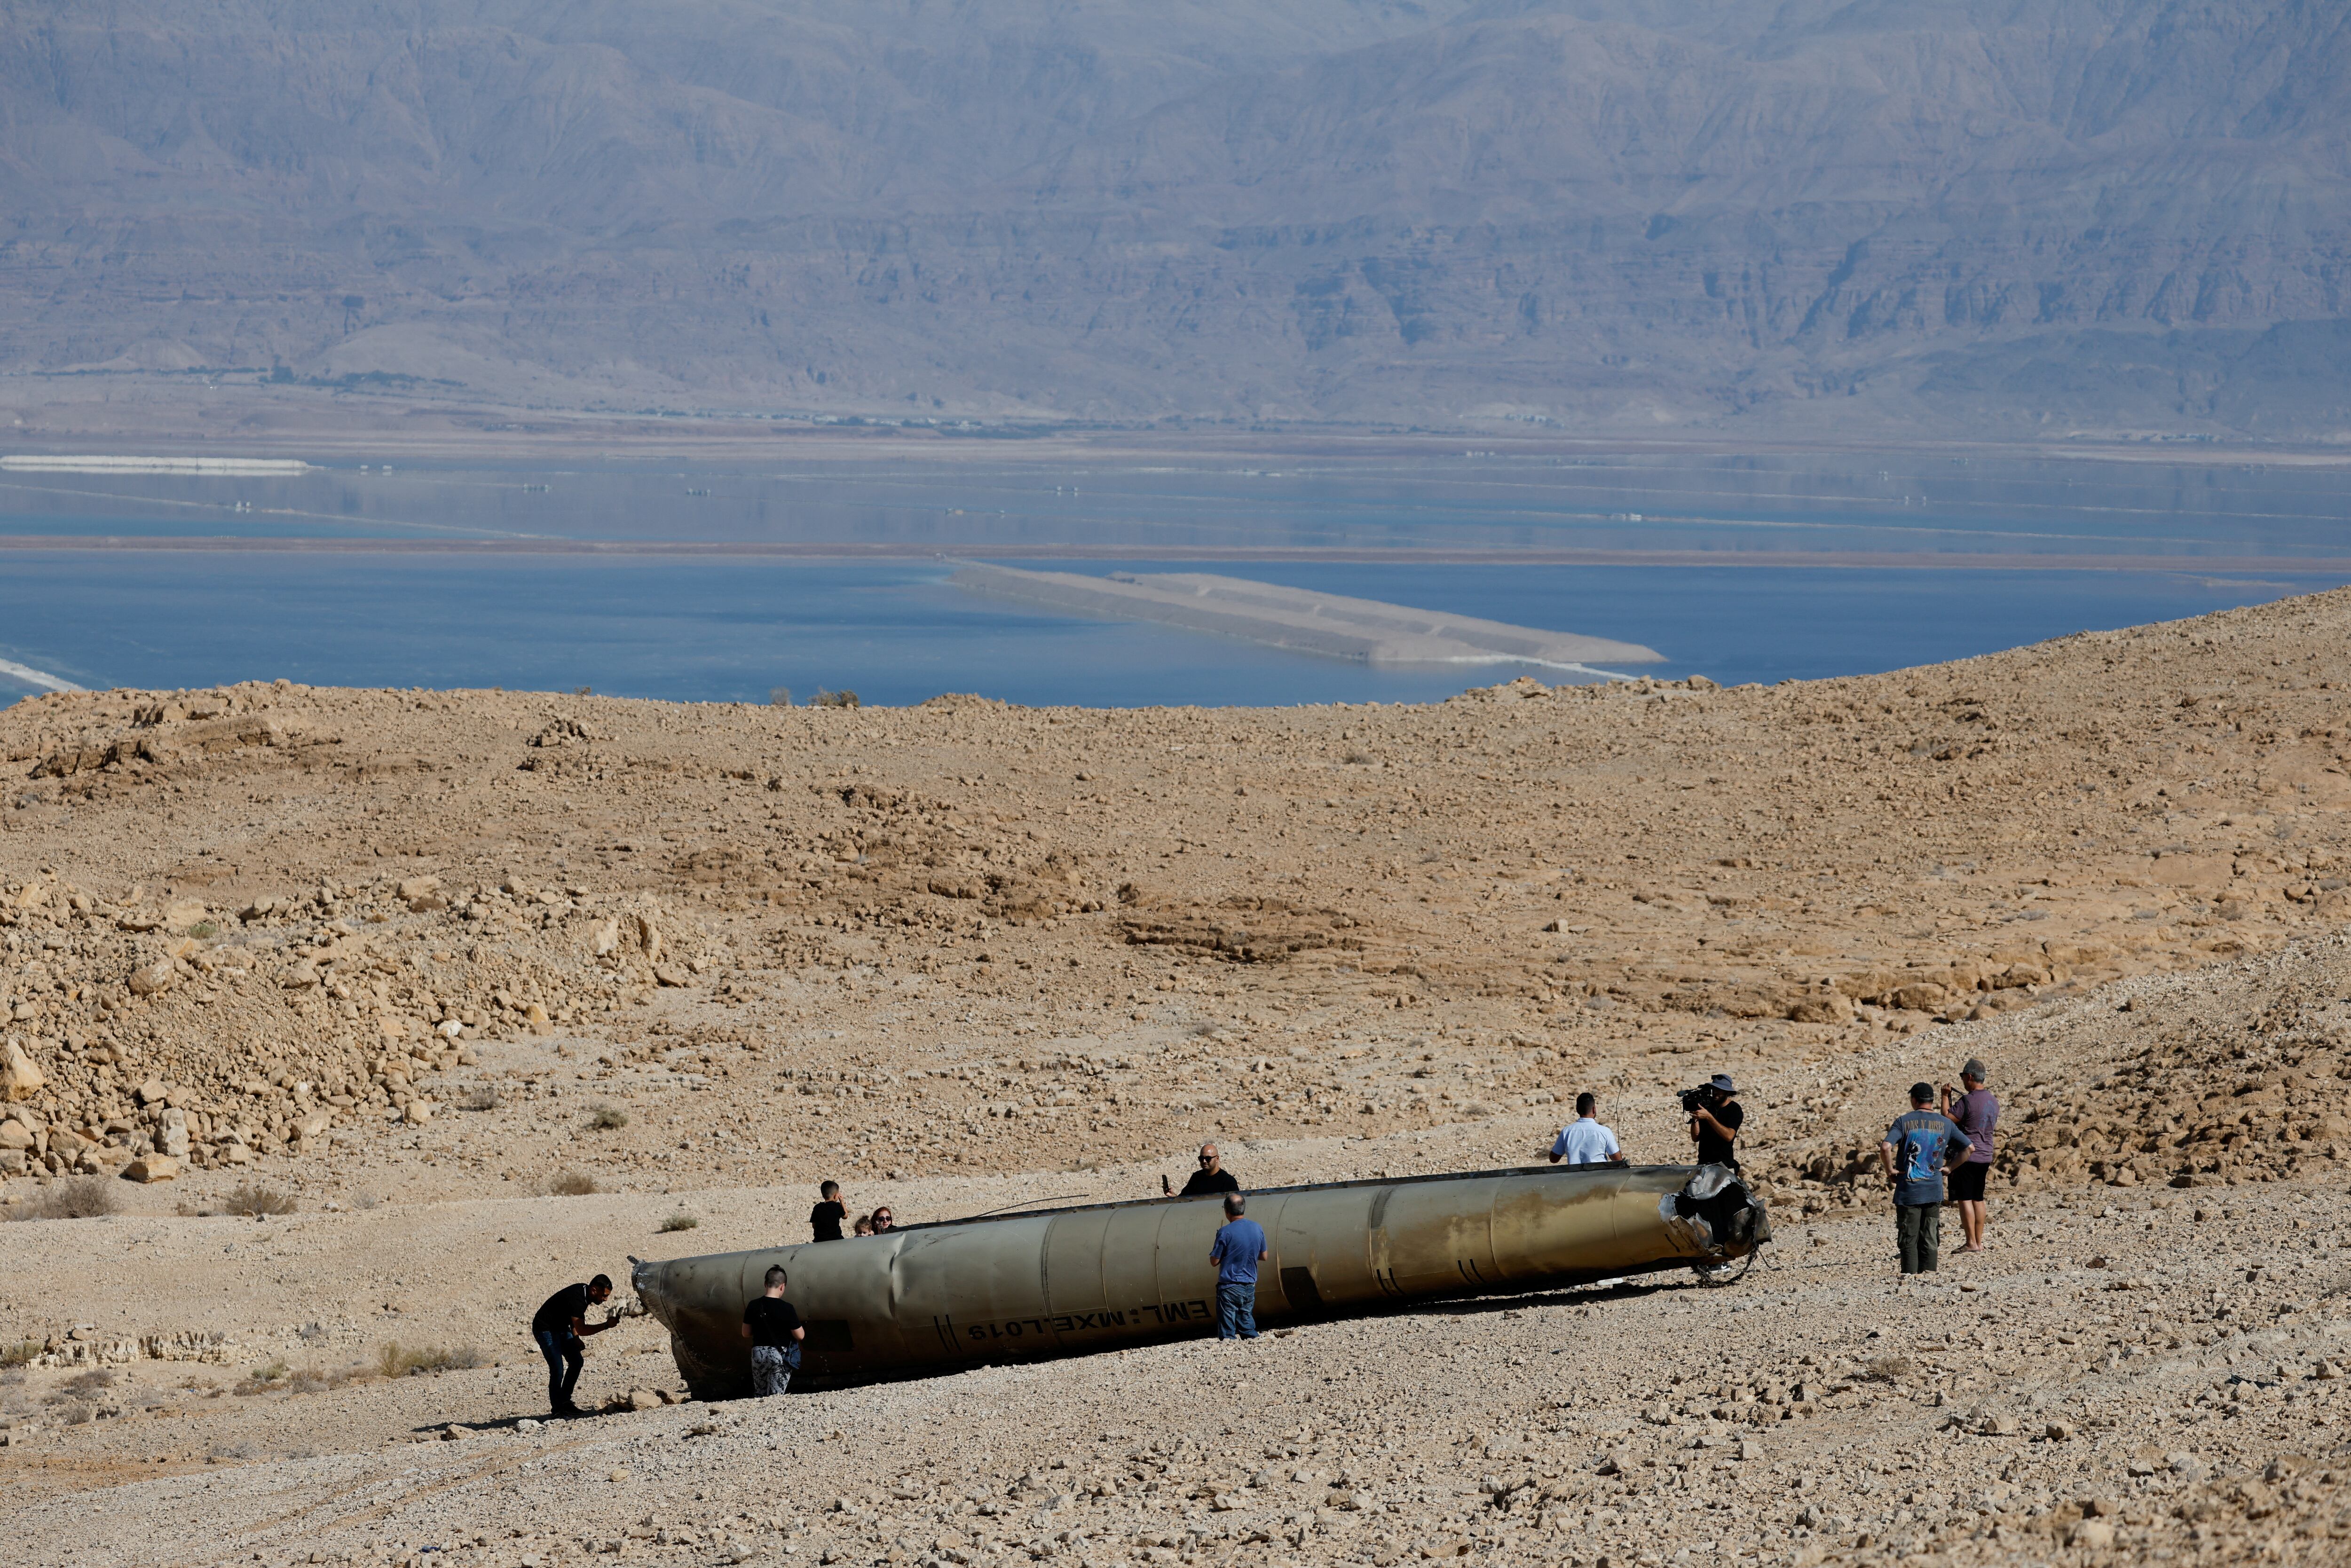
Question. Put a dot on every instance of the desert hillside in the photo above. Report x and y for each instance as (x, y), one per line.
(492, 987)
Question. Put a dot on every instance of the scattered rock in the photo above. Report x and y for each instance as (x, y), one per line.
(153, 1168)
(2094, 1534)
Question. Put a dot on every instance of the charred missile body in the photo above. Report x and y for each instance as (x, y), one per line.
(940, 1297)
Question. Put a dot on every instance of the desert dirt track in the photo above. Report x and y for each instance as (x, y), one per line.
(420, 961)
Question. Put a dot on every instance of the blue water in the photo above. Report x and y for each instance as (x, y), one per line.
(734, 628)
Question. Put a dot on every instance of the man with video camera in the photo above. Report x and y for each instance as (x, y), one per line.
(1714, 1117)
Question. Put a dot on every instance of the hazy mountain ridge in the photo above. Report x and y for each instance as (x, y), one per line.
(1602, 210)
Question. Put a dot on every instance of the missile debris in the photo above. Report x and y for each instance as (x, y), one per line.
(939, 1297)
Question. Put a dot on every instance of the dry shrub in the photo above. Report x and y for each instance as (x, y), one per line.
(319, 1380)
(18, 1352)
(397, 1359)
(251, 1200)
(567, 1183)
(679, 1222)
(483, 1097)
(81, 1197)
(607, 1118)
(92, 1381)
(832, 699)
(262, 1379)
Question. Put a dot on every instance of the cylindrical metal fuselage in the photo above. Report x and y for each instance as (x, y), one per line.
(942, 1296)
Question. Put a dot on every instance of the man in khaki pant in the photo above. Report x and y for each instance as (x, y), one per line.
(1916, 1149)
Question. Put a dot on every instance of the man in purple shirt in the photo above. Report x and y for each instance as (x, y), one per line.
(1977, 1113)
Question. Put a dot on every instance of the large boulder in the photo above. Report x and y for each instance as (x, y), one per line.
(1925, 996)
(151, 1168)
(19, 1079)
(1818, 1007)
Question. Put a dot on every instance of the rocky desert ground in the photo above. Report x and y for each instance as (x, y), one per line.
(411, 1006)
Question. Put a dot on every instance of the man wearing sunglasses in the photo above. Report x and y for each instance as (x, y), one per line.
(1210, 1179)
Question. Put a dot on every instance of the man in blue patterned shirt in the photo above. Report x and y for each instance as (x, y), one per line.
(1916, 1149)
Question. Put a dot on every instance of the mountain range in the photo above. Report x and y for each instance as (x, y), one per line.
(1981, 217)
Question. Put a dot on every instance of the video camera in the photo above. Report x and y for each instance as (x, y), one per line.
(1705, 1097)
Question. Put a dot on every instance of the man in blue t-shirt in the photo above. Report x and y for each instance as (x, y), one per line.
(1916, 1149)
(1238, 1248)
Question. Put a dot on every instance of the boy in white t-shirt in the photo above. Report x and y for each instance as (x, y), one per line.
(1584, 1141)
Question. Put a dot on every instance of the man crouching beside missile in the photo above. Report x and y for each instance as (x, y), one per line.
(772, 1324)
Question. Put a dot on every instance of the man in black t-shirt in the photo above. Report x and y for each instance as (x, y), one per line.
(559, 1326)
(1209, 1180)
(825, 1219)
(1714, 1125)
(772, 1324)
